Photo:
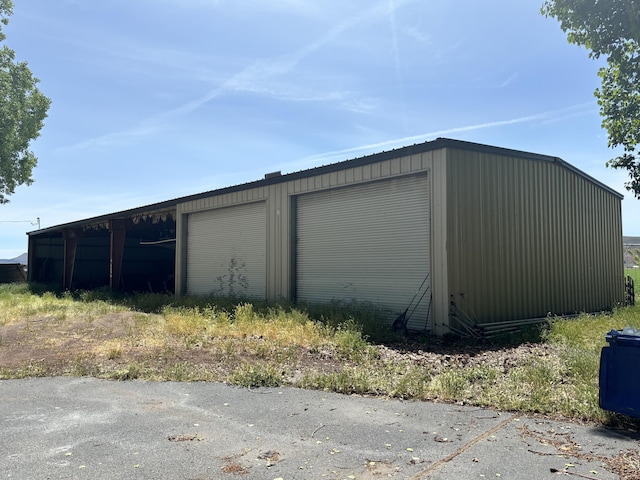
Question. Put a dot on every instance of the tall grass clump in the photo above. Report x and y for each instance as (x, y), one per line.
(194, 325)
(256, 375)
(358, 379)
(533, 386)
(372, 322)
(19, 303)
(588, 330)
(277, 324)
(273, 327)
(350, 341)
(412, 383)
(579, 342)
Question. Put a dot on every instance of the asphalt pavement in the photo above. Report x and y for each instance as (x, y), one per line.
(84, 428)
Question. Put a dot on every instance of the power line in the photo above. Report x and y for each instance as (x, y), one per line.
(37, 222)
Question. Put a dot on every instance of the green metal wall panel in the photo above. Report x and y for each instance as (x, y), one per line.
(527, 238)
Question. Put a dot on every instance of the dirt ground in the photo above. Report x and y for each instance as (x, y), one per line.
(49, 341)
(56, 347)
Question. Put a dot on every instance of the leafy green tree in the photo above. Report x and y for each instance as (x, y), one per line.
(610, 28)
(23, 109)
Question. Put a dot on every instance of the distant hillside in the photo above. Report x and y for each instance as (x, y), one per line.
(22, 259)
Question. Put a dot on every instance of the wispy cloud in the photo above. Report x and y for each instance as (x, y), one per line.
(299, 6)
(508, 81)
(572, 112)
(418, 35)
(100, 48)
(255, 78)
(399, 142)
(116, 139)
(396, 58)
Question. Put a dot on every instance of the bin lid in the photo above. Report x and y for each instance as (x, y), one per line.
(616, 337)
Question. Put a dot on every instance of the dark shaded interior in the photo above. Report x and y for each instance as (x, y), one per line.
(87, 254)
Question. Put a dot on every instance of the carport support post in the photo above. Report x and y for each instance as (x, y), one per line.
(70, 244)
(31, 260)
(118, 233)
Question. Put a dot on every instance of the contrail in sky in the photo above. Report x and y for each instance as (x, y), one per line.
(252, 78)
(397, 142)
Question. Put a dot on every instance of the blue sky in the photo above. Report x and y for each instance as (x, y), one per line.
(156, 99)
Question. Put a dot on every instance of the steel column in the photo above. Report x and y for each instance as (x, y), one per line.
(118, 234)
(70, 245)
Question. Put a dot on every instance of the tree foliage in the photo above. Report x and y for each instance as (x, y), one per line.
(610, 28)
(23, 109)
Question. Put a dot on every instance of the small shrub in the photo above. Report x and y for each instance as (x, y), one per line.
(244, 316)
(373, 322)
(179, 372)
(29, 370)
(258, 375)
(533, 387)
(348, 380)
(412, 384)
(114, 353)
(481, 375)
(84, 365)
(349, 340)
(187, 324)
(130, 372)
(450, 384)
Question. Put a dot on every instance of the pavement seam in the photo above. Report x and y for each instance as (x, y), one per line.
(434, 466)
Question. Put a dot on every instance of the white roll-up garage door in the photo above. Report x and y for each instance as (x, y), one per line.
(367, 243)
(227, 251)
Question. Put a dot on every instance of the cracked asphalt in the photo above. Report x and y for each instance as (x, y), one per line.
(84, 428)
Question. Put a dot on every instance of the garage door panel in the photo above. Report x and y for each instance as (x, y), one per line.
(227, 251)
(367, 244)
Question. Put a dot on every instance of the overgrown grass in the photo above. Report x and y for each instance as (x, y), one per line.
(19, 303)
(329, 348)
(635, 274)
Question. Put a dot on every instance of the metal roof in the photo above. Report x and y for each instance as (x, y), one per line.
(275, 178)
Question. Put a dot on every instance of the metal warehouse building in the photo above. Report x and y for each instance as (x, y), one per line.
(463, 235)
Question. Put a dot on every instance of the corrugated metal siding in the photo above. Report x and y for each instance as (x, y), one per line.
(278, 204)
(91, 268)
(278, 244)
(12, 272)
(147, 267)
(527, 238)
(227, 251)
(367, 244)
(46, 262)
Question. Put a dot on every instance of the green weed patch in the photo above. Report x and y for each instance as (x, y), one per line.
(552, 371)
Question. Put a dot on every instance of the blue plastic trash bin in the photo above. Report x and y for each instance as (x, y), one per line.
(619, 379)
